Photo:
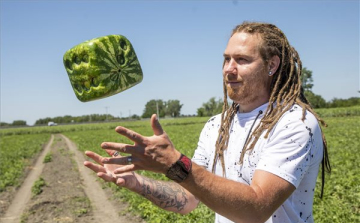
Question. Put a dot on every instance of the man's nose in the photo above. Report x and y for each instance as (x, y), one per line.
(230, 67)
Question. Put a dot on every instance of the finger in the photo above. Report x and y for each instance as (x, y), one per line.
(120, 182)
(155, 124)
(106, 177)
(124, 169)
(94, 167)
(133, 136)
(111, 152)
(96, 157)
(124, 160)
(121, 147)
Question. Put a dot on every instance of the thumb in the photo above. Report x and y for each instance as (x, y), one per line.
(155, 124)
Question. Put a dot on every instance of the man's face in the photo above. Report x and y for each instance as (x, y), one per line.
(245, 73)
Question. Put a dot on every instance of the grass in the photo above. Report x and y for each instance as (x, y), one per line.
(16, 153)
(342, 190)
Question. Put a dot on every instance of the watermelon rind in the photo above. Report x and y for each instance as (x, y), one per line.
(102, 67)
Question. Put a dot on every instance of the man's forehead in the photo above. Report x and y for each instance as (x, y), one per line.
(243, 43)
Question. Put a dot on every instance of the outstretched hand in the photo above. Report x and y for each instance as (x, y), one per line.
(154, 153)
(106, 171)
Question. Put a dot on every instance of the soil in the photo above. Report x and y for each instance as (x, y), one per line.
(71, 192)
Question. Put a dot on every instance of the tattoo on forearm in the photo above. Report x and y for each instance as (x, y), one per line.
(164, 194)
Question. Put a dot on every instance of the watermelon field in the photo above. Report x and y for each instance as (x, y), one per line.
(341, 202)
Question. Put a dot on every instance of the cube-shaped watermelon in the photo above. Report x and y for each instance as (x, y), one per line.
(102, 67)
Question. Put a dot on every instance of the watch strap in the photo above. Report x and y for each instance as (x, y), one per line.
(180, 170)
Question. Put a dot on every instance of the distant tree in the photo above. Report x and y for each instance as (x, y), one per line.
(19, 123)
(353, 101)
(306, 79)
(173, 108)
(152, 106)
(210, 108)
(43, 121)
(135, 117)
(76, 119)
(316, 101)
(337, 102)
(4, 124)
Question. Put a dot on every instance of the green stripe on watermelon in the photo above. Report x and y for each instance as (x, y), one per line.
(102, 67)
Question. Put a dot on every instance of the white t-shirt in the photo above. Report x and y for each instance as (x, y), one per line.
(292, 151)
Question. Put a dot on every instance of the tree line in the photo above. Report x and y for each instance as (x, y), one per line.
(317, 101)
(172, 108)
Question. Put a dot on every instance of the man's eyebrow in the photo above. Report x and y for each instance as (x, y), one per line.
(235, 55)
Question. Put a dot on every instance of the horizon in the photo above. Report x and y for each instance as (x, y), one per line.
(179, 45)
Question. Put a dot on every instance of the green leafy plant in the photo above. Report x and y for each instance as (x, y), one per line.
(16, 153)
(47, 158)
(342, 191)
(38, 185)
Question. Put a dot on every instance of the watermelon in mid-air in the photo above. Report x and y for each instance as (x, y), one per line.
(102, 67)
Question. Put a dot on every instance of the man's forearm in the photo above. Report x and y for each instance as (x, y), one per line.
(166, 194)
(234, 200)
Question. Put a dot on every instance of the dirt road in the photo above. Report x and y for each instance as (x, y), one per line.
(71, 192)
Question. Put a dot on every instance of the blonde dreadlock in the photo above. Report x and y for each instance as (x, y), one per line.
(286, 90)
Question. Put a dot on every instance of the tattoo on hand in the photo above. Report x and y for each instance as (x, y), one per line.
(164, 194)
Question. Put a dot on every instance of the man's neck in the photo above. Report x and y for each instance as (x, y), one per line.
(251, 106)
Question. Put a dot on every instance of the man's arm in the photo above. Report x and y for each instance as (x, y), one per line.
(167, 195)
(237, 201)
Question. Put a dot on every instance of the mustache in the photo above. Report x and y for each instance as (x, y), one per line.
(232, 79)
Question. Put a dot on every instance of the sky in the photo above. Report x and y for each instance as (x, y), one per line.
(179, 44)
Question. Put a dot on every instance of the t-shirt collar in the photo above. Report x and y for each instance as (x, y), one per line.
(254, 112)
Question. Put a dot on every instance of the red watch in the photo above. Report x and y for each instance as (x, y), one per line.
(179, 170)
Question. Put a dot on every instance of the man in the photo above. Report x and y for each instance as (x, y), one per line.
(256, 162)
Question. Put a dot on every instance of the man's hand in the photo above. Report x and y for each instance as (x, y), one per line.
(106, 171)
(155, 153)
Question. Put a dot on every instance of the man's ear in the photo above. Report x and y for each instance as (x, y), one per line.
(274, 63)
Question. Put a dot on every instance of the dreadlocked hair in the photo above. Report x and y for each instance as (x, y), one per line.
(286, 90)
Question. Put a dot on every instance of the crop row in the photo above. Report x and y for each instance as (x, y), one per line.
(94, 126)
(184, 136)
(342, 190)
(323, 112)
(341, 202)
(339, 112)
(16, 152)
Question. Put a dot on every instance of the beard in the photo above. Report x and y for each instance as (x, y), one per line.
(253, 88)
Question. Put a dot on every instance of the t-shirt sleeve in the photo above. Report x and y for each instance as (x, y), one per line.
(292, 148)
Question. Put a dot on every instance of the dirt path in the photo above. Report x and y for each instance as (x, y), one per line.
(22, 197)
(71, 192)
(104, 211)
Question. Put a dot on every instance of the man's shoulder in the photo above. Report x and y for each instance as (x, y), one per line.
(215, 118)
(293, 121)
(213, 124)
(295, 113)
